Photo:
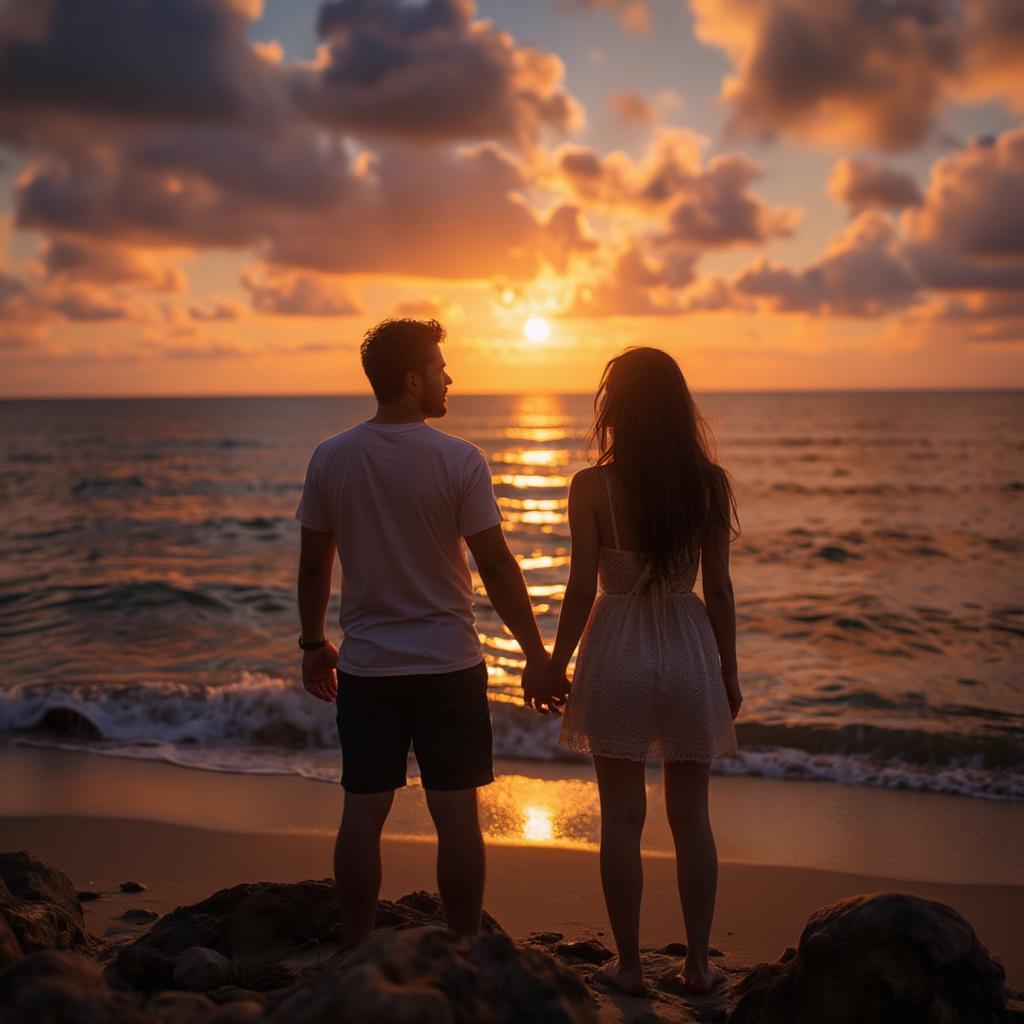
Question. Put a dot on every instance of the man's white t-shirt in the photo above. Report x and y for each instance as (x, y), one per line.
(399, 498)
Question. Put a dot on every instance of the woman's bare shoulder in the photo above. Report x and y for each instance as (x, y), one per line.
(587, 479)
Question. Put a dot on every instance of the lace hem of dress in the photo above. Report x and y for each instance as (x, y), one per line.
(581, 744)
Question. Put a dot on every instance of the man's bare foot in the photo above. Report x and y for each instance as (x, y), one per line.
(701, 979)
(630, 981)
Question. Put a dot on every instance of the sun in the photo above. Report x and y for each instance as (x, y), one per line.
(537, 329)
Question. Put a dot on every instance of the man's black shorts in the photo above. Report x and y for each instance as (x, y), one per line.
(445, 717)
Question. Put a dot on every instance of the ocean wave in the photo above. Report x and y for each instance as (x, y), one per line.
(263, 724)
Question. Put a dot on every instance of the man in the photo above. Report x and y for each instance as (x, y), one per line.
(395, 498)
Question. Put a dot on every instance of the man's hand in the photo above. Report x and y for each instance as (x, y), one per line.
(319, 672)
(544, 690)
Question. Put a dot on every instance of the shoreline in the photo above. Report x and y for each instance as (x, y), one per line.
(786, 848)
(864, 831)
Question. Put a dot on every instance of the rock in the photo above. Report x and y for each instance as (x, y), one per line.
(428, 975)
(884, 957)
(180, 1007)
(145, 969)
(546, 938)
(63, 988)
(419, 908)
(68, 723)
(10, 949)
(235, 993)
(201, 969)
(259, 922)
(674, 949)
(132, 887)
(87, 895)
(39, 904)
(138, 916)
(241, 1012)
(587, 951)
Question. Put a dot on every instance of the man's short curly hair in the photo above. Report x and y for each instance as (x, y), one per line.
(393, 348)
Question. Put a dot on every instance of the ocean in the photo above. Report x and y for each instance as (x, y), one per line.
(148, 569)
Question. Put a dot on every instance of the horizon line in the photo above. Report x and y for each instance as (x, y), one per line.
(975, 389)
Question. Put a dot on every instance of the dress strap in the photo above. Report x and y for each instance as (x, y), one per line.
(611, 504)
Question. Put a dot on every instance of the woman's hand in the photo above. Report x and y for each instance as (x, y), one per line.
(546, 690)
(732, 692)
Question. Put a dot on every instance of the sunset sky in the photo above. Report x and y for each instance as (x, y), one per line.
(220, 196)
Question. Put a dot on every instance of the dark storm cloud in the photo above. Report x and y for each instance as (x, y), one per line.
(430, 73)
(154, 61)
(170, 143)
(861, 71)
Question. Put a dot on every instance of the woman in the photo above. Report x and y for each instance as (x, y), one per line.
(656, 674)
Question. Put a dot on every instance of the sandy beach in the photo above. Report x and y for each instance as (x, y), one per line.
(185, 834)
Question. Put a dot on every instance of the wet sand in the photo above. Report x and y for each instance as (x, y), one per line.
(186, 833)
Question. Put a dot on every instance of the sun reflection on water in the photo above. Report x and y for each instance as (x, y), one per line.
(518, 809)
(525, 481)
(537, 825)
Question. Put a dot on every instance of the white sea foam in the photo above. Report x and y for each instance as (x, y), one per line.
(266, 725)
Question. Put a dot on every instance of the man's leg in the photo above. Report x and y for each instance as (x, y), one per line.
(460, 857)
(357, 869)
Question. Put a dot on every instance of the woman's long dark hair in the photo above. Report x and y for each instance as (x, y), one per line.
(648, 428)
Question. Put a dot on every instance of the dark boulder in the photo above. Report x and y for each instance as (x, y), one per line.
(257, 923)
(427, 975)
(416, 909)
(39, 904)
(586, 951)
(887, 958)
(257, 920)
(10, 948)
(56, 986)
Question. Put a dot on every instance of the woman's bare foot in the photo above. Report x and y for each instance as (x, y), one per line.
(701, 979)
(629, 980)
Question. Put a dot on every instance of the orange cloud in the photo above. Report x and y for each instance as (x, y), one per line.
(289, 293)
(75, 260)
(864, 72)
(707, 206)
(862, 185)
(631, 107)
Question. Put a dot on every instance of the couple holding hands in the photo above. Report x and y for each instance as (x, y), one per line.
(399, 502)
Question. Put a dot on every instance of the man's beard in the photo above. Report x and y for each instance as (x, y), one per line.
(437, 409)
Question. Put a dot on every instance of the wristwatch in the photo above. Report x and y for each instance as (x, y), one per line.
(314, 646)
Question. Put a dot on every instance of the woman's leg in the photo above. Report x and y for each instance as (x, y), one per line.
(623, 808)
(686, 801)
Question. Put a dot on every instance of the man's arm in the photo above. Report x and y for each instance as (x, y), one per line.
(316, 565)
(506, 588)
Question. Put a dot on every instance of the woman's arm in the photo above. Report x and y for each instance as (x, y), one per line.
(582, 586)
(721, 605)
